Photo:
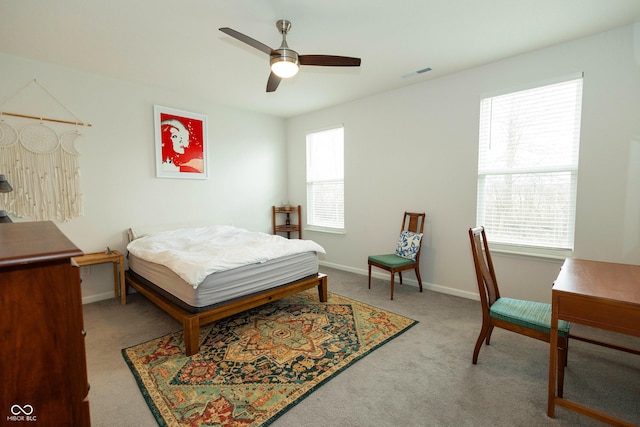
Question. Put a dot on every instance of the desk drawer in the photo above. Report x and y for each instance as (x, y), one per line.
(601, 313)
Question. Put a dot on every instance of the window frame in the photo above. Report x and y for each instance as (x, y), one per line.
(311, 213)
(525, 247)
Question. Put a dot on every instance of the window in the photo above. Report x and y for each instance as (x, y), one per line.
(528, 168)
(325, 180)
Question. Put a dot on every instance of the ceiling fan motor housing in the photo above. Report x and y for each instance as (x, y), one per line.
(285, 55)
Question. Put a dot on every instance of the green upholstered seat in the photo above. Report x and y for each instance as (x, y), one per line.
(391, 260)
(530, 314)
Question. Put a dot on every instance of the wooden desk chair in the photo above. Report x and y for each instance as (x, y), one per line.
(529, 318)
(407, 254)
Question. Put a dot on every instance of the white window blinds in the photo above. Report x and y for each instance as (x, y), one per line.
(528, 166)
(325, 179)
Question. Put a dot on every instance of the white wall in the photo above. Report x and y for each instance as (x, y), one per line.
(416, 149)
(409, 149)
(247, 159)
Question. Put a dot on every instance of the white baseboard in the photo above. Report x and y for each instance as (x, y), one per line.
(97, 297)
(363, 272)
(104, 296)
(411, 282)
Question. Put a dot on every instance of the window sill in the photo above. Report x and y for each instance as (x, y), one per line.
(530, 253)
(325, 230)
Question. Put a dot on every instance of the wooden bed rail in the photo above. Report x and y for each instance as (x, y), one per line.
(191, 322)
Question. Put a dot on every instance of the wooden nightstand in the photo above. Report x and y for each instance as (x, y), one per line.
(114, 257)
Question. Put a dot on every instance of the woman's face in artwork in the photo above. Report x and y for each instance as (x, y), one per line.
(179, 139)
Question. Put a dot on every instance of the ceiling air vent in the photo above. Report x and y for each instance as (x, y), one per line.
(415, 73)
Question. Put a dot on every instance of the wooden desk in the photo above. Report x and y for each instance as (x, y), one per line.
(597, 294)
(114, 257)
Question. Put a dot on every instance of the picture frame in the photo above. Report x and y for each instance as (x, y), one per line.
(180, 144)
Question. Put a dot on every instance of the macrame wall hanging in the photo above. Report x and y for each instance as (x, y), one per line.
(41, 165)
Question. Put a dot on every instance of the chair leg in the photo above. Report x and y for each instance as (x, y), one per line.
(369, 276)
(418, 276)
(400, 274)
(483, 334)
(392, 280)
(489, 334)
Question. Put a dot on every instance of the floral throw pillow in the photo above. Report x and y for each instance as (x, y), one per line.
(408, 245)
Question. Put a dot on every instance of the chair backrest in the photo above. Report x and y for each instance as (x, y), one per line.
(414, 222)
(485, 274)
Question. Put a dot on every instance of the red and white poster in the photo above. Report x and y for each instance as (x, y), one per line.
(181, 144)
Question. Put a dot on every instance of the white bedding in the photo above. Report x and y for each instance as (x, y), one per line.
(194, 253)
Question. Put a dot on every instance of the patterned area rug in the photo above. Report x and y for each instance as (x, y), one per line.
(254, 366)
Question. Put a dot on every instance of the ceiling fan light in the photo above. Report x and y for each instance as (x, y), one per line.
(284, 67)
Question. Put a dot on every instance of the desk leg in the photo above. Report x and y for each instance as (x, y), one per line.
(123, 286)
(116, 287)
(553, 358)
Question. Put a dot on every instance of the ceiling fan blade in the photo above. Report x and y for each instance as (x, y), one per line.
(329, 60)
(248, 40)
(273, 82)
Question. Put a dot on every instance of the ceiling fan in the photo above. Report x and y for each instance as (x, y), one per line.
(285, 61)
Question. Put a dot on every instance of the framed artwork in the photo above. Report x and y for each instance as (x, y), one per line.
(181, 144)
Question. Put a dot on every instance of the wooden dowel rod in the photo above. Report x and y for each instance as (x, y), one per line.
(44, 118)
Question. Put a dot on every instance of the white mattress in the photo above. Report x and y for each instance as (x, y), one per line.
(195, 252)
(229, 284)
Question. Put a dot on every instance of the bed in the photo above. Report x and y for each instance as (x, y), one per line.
(204, 273)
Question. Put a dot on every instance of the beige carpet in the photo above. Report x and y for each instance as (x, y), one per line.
(422, 378)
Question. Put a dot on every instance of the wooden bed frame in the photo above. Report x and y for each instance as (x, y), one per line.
(191, 322)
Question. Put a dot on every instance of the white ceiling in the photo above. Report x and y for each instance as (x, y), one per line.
(176, 45)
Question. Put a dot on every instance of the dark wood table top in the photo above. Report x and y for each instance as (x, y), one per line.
(619, 282)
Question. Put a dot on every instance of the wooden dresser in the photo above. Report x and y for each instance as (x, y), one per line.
(42, 353)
